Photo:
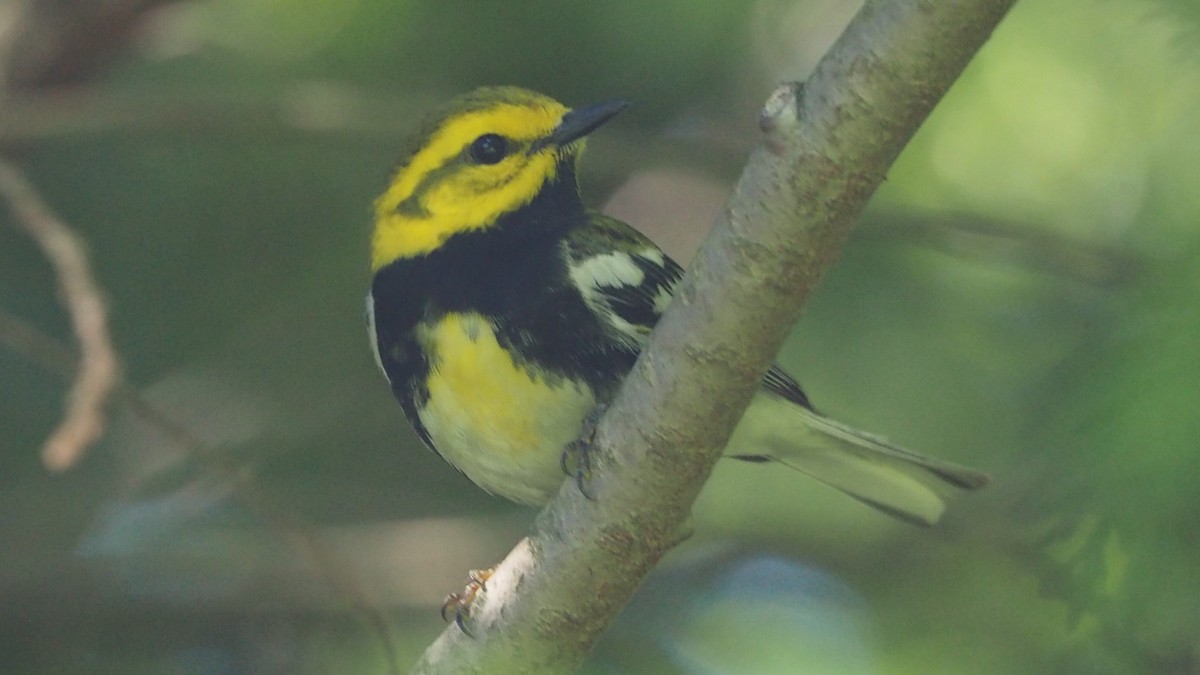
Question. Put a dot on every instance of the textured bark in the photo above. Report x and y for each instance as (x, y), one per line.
(825, 148)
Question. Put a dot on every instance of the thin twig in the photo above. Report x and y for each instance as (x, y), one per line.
(98, 371)
(82, 36)
(45, 351)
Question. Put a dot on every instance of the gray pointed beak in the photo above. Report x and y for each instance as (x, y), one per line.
(579, 122)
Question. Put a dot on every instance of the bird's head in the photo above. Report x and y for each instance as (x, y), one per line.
(482, 155)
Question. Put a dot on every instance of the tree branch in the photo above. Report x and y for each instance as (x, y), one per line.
(98, 373)
(826, 147)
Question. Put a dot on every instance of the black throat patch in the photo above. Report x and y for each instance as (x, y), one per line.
(515, 275)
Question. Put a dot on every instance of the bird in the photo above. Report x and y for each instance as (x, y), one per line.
(503, 312)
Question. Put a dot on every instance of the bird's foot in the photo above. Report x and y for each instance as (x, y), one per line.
(459, 604)
(576, 457)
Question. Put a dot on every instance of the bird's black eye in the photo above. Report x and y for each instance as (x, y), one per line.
(489, 148)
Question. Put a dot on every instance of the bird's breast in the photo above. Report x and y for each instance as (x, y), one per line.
(501, 422)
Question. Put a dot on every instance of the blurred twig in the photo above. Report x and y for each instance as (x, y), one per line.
(98, 370)
(307, 109)
(53, 42)
(45, 44)
(1028, 246)
(51, 354)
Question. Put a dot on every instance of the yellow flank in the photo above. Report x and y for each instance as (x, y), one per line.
(475, 375)
(470, 197)
(497, 422)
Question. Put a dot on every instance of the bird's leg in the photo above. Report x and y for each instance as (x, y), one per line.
(575, 460)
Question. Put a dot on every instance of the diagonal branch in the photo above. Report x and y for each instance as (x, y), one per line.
(98, 373)
(826, 147)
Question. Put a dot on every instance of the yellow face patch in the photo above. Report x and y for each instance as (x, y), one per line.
(437, 193)
(498, 422)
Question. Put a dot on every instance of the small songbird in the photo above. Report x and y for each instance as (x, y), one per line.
(503, 311)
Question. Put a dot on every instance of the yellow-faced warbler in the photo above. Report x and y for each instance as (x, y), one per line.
(503, 311)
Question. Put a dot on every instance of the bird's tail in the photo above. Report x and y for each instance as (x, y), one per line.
(896, 481)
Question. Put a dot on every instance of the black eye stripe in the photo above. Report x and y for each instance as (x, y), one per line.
(489, 149)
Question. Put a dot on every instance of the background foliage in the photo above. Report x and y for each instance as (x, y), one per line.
(1020, 297)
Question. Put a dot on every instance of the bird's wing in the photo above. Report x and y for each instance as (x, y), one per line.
(627, 280)
(622, 276)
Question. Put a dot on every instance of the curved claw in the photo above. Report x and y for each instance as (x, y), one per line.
(461, 603)
(453, 600)
(585, 470)
(569, 457)
(575, 460)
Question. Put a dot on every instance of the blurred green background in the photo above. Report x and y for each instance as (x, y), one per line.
(1021, 296)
